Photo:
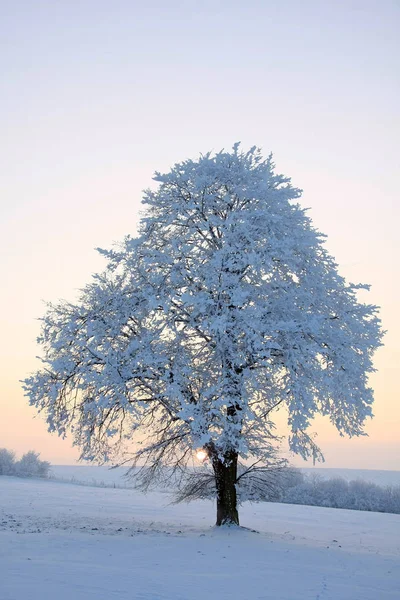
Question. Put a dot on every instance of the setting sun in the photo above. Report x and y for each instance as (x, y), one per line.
(201, 454)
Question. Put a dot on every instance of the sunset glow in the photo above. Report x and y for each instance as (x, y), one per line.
(201, 455)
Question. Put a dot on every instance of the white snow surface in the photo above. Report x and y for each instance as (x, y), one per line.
(70, 542)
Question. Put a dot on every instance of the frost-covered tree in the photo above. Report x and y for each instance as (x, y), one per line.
(7, 462)
(30, 465)
(224, 308)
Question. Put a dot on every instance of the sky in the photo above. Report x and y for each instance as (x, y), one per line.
(96, 96)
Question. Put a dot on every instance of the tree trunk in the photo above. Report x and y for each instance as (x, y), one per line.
(225, 477)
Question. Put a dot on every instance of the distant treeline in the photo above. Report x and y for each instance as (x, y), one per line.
(28, 466)
(287, 485)
(292, 486)
(339, 493)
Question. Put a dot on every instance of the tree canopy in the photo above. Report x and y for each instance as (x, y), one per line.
(224, 308)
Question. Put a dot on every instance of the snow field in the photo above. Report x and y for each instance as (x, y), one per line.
(68, 542)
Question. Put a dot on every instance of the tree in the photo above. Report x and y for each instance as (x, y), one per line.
(7, 462)
(30, 465)
(225, 308)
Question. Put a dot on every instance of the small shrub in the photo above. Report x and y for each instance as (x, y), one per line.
(7, 462)
(31, 466)
(28, 466)
(338, 493)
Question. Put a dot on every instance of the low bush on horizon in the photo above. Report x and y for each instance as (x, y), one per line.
(29, 464)
(288, 485)
(357, 494)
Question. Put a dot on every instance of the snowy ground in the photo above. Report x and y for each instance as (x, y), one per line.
(68, 542)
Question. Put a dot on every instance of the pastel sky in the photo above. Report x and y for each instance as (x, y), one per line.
(97, 95)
